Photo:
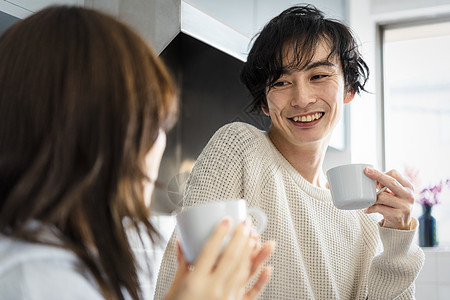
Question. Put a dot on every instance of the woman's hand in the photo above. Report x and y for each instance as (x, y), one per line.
(395, 204)
(226, 275)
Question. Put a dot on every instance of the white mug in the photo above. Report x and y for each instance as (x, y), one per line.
(196, 224)
(351, 188)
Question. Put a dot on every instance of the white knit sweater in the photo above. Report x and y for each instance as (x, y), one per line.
(322, 252)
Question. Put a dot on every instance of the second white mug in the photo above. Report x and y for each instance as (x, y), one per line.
(196, 224)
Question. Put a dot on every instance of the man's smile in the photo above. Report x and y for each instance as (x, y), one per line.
(308, 118)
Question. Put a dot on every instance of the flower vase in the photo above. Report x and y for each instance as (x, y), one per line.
(427, 227)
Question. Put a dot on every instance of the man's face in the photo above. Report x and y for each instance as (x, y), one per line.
(305, 105)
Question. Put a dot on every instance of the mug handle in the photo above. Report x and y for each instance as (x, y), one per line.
(261, 218)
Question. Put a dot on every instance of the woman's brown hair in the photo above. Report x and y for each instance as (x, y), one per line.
(82, 98)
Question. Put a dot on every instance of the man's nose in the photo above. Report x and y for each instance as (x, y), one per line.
(302, 95)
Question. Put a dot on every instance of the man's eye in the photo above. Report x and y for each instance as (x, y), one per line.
(318, 76)
(280, 83)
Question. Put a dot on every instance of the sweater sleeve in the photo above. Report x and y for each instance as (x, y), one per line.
(167, 269)
(217, 175)
(393, 272)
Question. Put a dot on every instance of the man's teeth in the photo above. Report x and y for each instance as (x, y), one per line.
(308, 118)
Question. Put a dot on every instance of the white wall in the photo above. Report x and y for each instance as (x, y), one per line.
(364, 16)
(364, 108)
(249, 16)
(396, 7)
(434, 279)
(366, 142)
(23, 8)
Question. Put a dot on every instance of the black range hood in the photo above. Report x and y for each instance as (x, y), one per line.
(205, 58)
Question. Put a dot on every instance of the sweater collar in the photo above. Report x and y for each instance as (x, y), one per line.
(319, 193)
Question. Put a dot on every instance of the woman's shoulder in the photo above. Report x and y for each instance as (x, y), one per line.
(44, 270)
(16, 250)
(20, 254)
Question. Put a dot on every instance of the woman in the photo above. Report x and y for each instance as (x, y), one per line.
(84, 106)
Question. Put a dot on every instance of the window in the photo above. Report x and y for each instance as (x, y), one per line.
(416, 79)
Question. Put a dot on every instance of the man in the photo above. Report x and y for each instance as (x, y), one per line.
(301, 71)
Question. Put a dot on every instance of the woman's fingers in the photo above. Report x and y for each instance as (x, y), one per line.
(261, 256)
(180, 256)
(180, 275)
(211, 251)
(260, 284)
(237, 255)
(225, 275)
(182, 267)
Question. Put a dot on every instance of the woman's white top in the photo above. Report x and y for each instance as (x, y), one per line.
(41, 272)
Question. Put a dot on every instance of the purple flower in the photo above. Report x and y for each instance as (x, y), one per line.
(430, 195)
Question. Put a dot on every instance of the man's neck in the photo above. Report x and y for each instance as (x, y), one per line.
(307, 160)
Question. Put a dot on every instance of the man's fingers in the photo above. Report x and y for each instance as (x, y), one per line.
(393, 218)
(400, 178)
(393, 184)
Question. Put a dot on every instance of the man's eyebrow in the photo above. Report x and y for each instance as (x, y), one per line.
(316, 64)
(312, 65)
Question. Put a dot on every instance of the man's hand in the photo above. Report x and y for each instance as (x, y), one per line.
(395, 204)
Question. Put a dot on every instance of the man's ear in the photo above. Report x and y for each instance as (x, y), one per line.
(265, 110)
(349, 96)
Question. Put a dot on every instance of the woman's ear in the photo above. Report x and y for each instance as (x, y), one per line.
(349, 96)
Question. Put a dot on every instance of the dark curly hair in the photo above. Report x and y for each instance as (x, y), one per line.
(302, 28)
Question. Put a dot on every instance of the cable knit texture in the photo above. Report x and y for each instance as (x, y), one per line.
(322, 252)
